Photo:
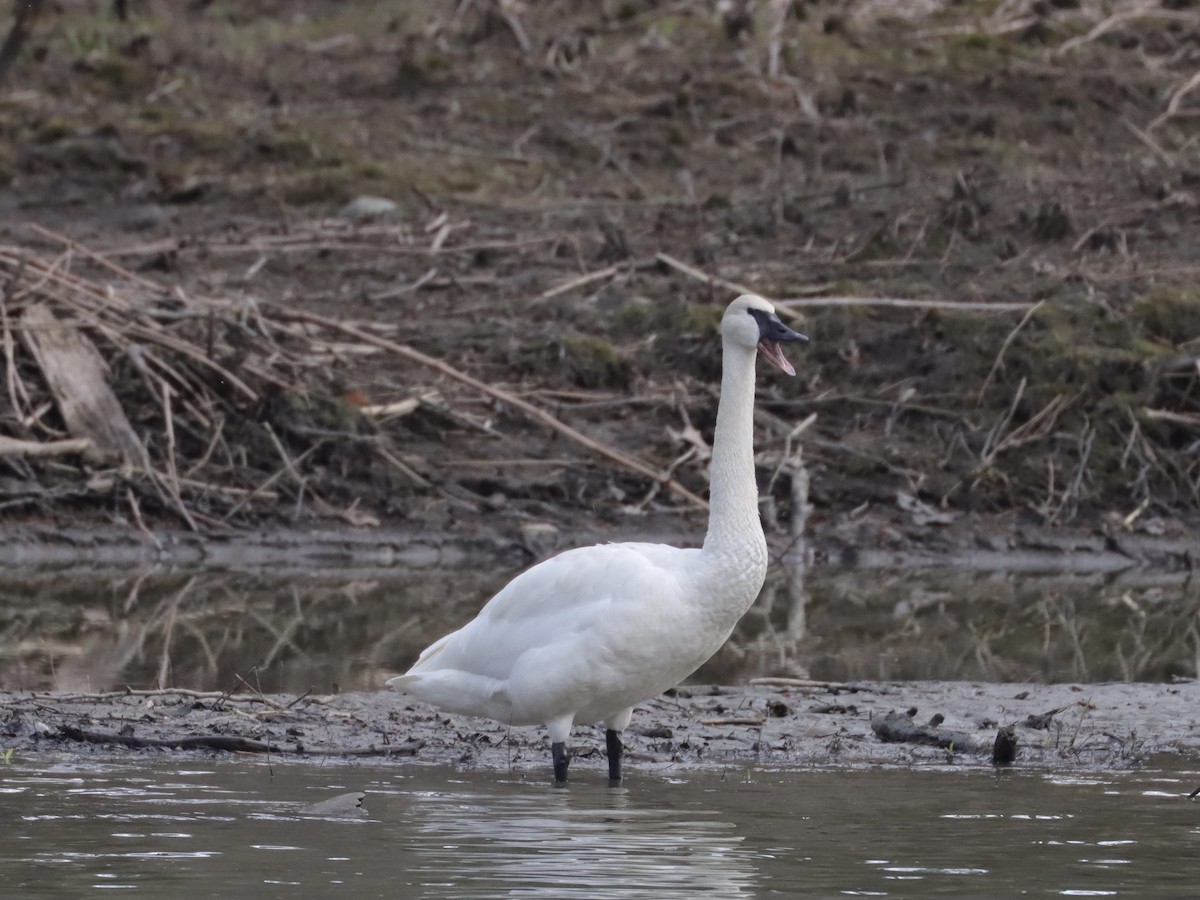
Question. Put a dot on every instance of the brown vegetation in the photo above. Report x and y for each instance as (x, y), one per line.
(984, 215)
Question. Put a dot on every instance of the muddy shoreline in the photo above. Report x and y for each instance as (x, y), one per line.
(1084, 727)
(963, 210)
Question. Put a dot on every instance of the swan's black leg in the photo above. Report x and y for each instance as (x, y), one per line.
(615, 751)
(558, 752)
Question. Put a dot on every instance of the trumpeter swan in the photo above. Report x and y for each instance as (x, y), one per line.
(587, 634)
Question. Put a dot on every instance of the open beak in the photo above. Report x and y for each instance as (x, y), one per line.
(772, 332)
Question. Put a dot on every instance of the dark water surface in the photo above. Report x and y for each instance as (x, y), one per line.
(339, 629)
(238, 829)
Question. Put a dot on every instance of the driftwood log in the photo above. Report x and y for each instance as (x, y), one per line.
(900, 728)
(77, 376)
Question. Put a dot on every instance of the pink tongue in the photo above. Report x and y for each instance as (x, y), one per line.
(770, 349)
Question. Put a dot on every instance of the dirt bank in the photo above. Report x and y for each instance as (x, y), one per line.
(982, 212)
(1084, 727)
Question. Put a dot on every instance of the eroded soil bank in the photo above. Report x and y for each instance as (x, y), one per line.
(983, 214)
(1085, 727)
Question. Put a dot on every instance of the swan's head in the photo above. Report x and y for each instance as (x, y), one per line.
(751, 322)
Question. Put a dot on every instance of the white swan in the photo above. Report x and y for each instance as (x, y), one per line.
(586, 635)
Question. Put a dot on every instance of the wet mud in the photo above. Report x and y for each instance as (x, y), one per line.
(784, 723)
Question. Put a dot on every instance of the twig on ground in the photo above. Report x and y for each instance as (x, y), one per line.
(1177, 96)
(290, 468)
(963, 305)
(778, 681)
(582, 280)
(1153, 145)
(14, 447)
(1004, 347)
(692, 272)
(261, 490)
(1117, 19)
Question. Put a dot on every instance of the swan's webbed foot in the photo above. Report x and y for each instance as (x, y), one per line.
(616, 750)
(558, 752)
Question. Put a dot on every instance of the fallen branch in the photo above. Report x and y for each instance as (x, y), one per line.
(801, 302)
(899, 728)
(579, 282)
(13, 447)
(693, 272)
(775, 681)
(1151, 144)
(76, 374)
(1176, 418)
(1177, 96)
(540, 415)
(1004, 347)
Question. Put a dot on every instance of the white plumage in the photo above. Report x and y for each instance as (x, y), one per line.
(585, 636)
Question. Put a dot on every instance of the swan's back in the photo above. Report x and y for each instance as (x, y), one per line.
(614, 623)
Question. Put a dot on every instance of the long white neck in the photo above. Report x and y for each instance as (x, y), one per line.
(734, 528)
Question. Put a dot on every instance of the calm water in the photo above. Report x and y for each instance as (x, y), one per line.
(237, 830)
(99, 630)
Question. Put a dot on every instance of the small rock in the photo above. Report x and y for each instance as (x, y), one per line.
(368, 209)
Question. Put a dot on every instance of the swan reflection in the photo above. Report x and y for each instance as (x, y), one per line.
(579, 844)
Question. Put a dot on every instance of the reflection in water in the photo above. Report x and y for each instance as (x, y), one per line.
(232, 829)
(346, 630)
(551, 844)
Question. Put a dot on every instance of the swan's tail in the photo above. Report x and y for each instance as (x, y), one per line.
(461, 692)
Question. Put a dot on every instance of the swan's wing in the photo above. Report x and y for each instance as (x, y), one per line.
(577, 581)
(575, 593)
